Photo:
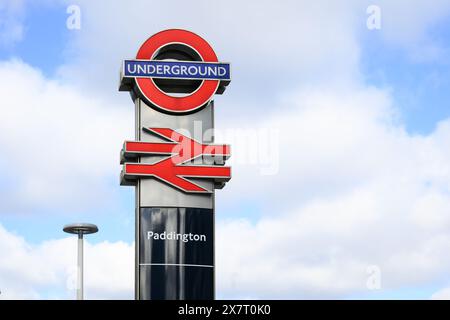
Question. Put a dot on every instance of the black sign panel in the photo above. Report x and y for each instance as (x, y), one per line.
(176, 253)
(176, 283)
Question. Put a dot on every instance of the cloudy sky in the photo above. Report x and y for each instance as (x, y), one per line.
(344, 192)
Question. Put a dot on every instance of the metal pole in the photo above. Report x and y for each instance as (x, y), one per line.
(80, 229)
(80, 266)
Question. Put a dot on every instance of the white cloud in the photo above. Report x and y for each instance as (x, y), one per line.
(60, 147)
(270, 45)
(408, 23)
(411, 26)
(11, 22)
(443, 294)
(354, 188)
(48, 270)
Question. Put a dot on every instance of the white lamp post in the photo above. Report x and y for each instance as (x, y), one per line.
(80, 229)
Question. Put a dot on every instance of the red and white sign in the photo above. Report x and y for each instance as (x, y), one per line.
(154, 94)
(176, 56)
(174, 169)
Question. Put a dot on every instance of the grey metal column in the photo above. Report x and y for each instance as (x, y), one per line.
(80, 266)
(171, 269)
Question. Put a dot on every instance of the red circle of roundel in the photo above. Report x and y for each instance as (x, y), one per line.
(162, 100)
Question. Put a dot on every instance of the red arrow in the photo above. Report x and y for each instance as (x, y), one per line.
(174, 174)
(181, 147)
(138, 147)
(172, 170)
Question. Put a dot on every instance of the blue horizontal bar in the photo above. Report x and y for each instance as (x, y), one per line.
(177, 70)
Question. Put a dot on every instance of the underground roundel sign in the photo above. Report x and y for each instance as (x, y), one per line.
(176, 71)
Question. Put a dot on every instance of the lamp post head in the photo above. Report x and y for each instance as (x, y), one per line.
(80, 228)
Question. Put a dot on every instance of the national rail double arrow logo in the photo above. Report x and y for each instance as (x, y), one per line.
(175, 169)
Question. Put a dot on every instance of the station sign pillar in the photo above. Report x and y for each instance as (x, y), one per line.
(174, 164)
